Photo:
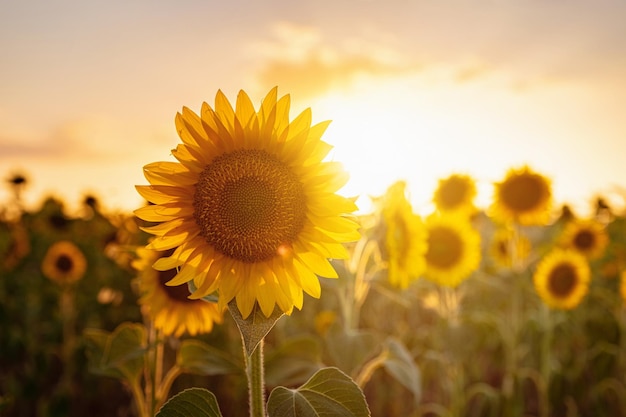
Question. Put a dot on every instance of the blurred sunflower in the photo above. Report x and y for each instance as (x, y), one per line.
(64, 263)
(455, 194)
(562, 279)
(588, 237)
(169, 307)
(250, 208)
(622, 286)
(404, 237)
(524, 196)
(453, 249)
(506, 245)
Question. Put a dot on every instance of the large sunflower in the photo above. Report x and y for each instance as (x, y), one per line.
(405, 237)
(562, 278)
(64, 263)
(169, 307)
(453, 249)
(524, 197)
(588, 237)
(250, 208)
(455, 193)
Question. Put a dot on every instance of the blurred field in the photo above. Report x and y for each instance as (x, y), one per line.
(487, 347)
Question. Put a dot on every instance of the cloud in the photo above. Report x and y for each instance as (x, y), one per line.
(302, 61)
(94, 138)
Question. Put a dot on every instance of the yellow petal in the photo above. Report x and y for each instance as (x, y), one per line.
(317, 264)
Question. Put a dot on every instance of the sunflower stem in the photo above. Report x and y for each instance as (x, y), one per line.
(256, 381)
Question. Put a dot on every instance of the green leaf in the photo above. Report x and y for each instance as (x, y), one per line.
(293, 362)
(400, 364)
(329, 392)
(119, 354)
(200, 358)
(95, 342)
(350, 349)
(253, 328)
(192, 402)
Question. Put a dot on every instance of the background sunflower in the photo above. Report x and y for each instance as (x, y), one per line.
(169, 307)
(64, 263)
(562, 279)
(588, 237)
(453, 249)
(404, 238)
(524, 197)
(455, 193)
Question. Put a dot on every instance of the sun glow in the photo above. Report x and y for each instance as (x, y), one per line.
(386, 132)
(424, 127)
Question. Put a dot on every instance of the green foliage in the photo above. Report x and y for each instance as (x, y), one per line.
(329, 392)
(400, 364)
(118, 354)
(192, 402)
(195, 356)
(293, 362)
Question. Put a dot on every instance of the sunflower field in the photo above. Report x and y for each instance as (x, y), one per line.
(247, 286)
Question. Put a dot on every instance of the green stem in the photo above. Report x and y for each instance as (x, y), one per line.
(68, 316)
(546, 344)
(256, 383)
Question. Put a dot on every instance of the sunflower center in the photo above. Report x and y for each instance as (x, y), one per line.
(64, 263)
(444, 248)
(584, 240)
(452, 193)
(248, 204)
(178, 293)
(522, 193)
(562, 280)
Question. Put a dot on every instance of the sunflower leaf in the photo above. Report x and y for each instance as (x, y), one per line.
(192, 402)
(200, 358)
(293, 362)
(253, 328)
(328, 392)
(400, 364)
(119, 354)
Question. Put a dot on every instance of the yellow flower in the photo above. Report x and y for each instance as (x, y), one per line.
(588, 237)
(64, 263)
(250, 208)
(405, 237)
(562, 279)
(455, 194)
(524, 196)
(453, 249)
(505, 246)
(169, 307)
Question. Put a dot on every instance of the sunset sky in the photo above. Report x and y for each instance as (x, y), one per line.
(416, 90)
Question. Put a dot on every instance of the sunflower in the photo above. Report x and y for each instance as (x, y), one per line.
(588, 237)
(250, 208)
(562, 278)
(169, 307)
(524, 196)
(455, 193)
(506, 246)
(453, 249)
(404, 237)
(64, 263)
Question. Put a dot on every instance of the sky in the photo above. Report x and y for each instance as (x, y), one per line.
(416, 89)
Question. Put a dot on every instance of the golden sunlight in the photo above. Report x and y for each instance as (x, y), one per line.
(393, 129)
